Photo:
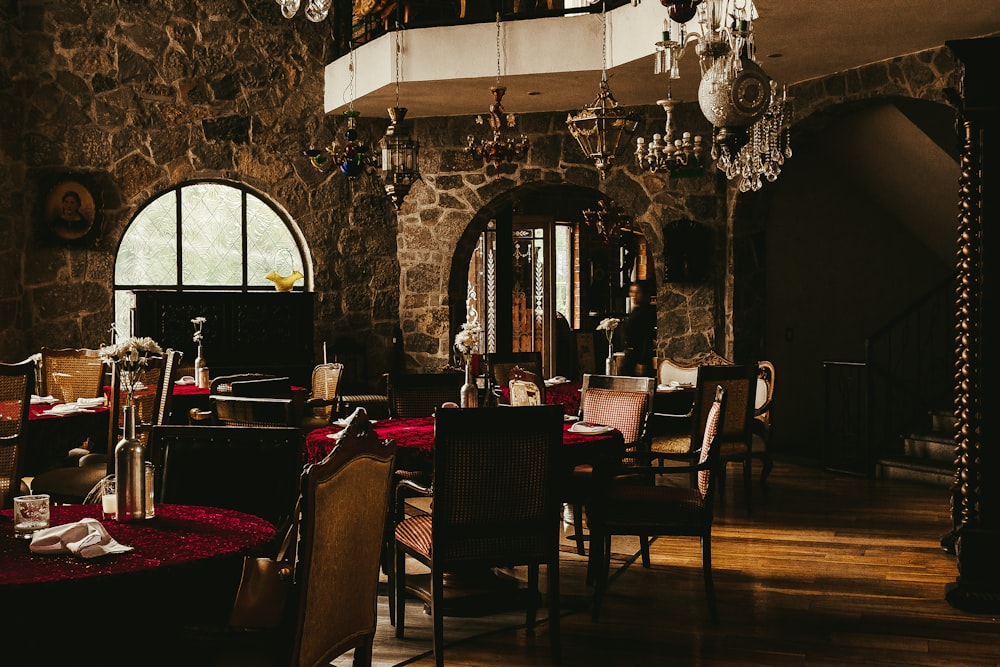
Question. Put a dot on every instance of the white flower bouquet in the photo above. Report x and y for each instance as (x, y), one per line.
(467, 340)
(608, 326)
(130, 356)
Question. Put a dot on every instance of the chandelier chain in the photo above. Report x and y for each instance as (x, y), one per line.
(498, 48)
(604, 41)
(397, 49)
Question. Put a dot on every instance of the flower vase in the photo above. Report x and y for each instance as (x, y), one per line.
(609, 364)
(469, 396)
(201, 378)
(130, 471)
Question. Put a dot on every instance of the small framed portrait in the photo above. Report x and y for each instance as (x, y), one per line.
(70, 212)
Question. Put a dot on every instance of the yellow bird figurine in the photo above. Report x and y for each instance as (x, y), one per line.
(283, 283)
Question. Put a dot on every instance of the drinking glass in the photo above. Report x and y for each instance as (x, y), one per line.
(109, 497)
(31, 514)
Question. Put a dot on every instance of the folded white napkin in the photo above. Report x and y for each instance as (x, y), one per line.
(64, 409)
(553, 381)
(86, 538)
(91, 402)
(37, 400)
(589, 429)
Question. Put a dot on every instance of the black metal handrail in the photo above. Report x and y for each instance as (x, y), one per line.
(910, 369)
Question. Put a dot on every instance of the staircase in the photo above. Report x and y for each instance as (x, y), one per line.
(928, 455)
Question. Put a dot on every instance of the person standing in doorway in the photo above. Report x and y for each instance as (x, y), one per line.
(639, 329)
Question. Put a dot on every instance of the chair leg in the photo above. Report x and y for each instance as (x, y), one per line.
(748, 482)
(706, 566)
(767, 463)
(363, 653)
(601, 566)
(399, 576)
(437, 614)
(531, 613)
(552, 591)
(644, 549)
(578, 529)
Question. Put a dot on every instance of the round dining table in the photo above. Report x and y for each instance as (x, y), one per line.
(184, 569)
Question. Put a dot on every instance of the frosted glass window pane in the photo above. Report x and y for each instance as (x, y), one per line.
(270, 245)
(211, 235)
(148, 251)
(124, 303)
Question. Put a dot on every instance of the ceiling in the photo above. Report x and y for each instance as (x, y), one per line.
(554, 64)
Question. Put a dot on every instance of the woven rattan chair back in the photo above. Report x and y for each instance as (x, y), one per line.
(251, 411)
(147, 401)
(72, 373)
(17, 382)
(420, 394)
(325, 388)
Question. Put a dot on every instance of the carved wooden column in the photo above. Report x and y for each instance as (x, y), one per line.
(976, 495)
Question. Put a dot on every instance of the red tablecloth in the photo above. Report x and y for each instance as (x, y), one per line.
(415, 435)
(566, 394)
(179, 535)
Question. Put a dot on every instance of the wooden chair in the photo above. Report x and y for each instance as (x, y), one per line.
(734, 438)
(619, 401)
(72, 373)
(17, 383)
(322, 404)
(496, 504)
(525, 388)
(251, 411)
(250, 469)
(650, 509)
(760, 431)
(255, 385)
(345, 503)
(420, 394)
(500, 364)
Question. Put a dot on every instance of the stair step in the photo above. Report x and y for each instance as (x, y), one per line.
(917, 469)
(943, 421)
(933, 446)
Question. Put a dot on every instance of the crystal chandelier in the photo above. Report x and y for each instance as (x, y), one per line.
(399, 150)
(608, 220)
(600, 127)
(316, 10)
(499, 147)
(751, 122)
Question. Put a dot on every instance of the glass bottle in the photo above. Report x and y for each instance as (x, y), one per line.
(469, 394)
(201, 377)
(130, 471)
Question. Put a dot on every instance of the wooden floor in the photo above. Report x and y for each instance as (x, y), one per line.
(830, 570)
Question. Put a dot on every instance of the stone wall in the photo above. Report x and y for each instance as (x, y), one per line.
(138, 97)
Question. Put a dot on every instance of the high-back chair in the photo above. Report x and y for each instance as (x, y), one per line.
(251, 411)
(496, 504)
(734, 436)
(321, 406)
(250, 385)
(525, 387)
(420, 394)
(645, 510)
(17, 383)
(253, 470)
(622, 402)
(760, 430)
(345, 501)
(500, 364)
(71, 373)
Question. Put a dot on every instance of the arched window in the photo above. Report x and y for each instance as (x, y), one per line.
(206, 235)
